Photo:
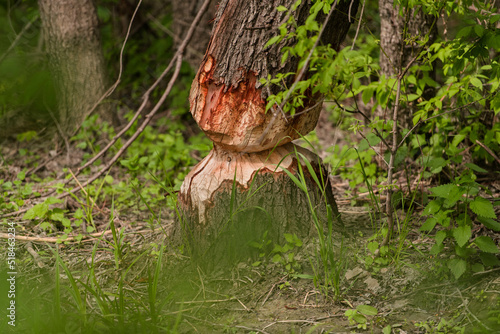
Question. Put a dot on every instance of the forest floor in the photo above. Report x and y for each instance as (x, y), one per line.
(120, 279)
(410, 295)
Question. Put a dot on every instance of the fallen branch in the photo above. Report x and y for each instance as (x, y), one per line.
(53, 239)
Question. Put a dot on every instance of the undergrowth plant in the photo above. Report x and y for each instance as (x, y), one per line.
(449, 94)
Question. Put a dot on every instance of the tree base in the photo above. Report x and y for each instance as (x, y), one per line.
(232, 200)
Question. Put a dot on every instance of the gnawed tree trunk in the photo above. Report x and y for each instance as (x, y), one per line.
(71, 33)
(228, 102)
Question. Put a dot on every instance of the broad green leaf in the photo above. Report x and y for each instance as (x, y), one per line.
(489, 260)
(281, 9)
(57, 215)
(30, 214)
(486, 244)
(413, 97)
(457, 267)
(429, 224)
(41, 209)
(443, 190)
(440, 236)
(490, 223)
(372, 246)
(53, 200)
(482, 207)
(476, 83)
(462, 234)
(367, 310)
(272, 41)
(432, 207)
(476, 168)
(367, 95)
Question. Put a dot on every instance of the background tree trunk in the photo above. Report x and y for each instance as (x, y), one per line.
(228, 102)
(398, 41)
(71, 33)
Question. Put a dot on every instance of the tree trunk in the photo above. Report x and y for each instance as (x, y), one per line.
(398, 41)
(71, 33)
(228, 103)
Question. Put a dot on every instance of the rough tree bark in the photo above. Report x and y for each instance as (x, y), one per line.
(221, 212)
(398, 42)
(71, 33)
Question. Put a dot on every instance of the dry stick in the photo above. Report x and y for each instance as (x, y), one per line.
(488, 150)
(359, 25)
(118, 80)
(388, 202)
(18, 38)
(301, 73)
(53, 239)
(178, 58)
(465, 303)
(34, 254)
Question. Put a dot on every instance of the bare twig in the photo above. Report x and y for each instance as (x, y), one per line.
(390, 172)
(465, 304)
(118, 80)
(488, 150)
(18, 38)
(359, 25)
(36, 257)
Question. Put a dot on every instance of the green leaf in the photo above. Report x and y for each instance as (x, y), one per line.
(482, 207)
(457, 267)
(53, 200)
(21, 175)
(367, 95)
(372, 246)
(486, 244)
(476, 168)
(429, 224)
(272, 41)
(443, 190)
(367, 310)
(432, 207)
(440, 236)
(413, 97)
(57, 215)
(462, 234)
(490, 223)
(276, 258)
(489, 260)
(281, 9)
(476, 83)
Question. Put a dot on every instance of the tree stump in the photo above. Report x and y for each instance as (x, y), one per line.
(231, 199)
